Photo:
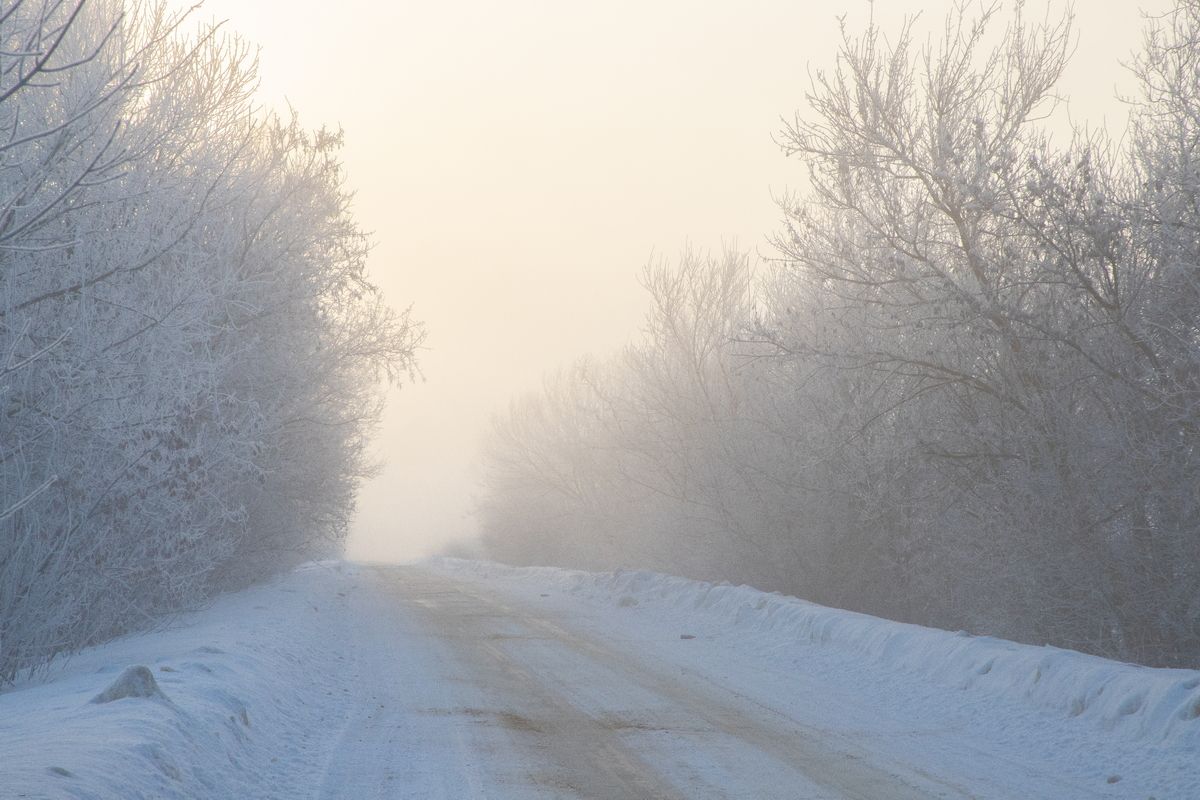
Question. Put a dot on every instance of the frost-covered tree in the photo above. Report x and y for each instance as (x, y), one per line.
(1000, 294)
(966, 392)
(188, 343)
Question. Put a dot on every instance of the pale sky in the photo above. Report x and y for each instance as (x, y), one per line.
(520, 161)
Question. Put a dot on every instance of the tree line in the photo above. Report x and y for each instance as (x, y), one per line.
(963, 391)
(189, 345)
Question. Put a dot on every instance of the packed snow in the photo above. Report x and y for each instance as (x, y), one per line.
(1127, 701)
(330, 683)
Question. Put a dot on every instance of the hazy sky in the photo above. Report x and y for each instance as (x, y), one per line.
(520, 161)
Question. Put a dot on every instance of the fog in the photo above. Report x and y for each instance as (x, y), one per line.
(519, 163)
(788, 375)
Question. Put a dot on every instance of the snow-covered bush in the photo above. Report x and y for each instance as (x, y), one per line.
(187, 340)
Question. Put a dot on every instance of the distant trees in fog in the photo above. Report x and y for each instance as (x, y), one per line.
(188, 343)
(967, 391)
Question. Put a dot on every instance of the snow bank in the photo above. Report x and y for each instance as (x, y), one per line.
(1130, 701)
(233, 701)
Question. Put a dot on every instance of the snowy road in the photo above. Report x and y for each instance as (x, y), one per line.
(467, 694)
(473, 680)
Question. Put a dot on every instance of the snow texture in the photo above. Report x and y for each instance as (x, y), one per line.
(250, 681)
(1159, 706)
(137, 681)
(260, 695)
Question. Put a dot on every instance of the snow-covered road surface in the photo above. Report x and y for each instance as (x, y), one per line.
(473, 680)
(468, 694)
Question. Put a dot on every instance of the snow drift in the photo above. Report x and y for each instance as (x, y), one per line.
(238, 700)
(1131, 701)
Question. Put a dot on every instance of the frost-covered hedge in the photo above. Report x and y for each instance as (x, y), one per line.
(187, 339)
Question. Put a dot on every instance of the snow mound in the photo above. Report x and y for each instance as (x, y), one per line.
(238, 701)
(1130, 701)
(136, 681)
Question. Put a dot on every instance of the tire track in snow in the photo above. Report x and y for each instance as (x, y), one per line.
(709, 740)
(463, 694)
